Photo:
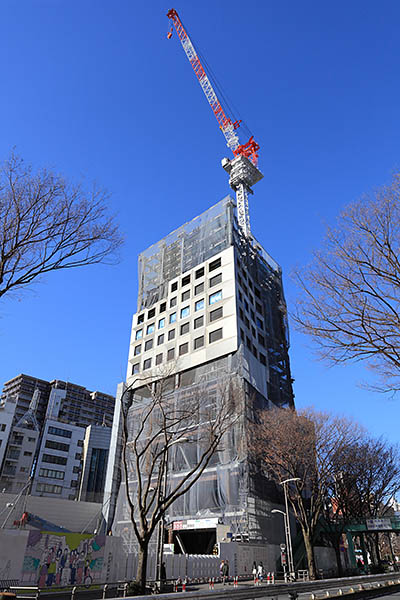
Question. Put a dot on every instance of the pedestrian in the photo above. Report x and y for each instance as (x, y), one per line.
(260, 571)
(225, 571)
(254, 571)
(221, 567)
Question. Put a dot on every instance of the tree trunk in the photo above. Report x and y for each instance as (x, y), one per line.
(377, 549)
(142, 565)
(310, 555)
(338, 554)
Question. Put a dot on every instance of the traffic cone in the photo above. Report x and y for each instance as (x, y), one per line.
(235, 582)
(184, 585)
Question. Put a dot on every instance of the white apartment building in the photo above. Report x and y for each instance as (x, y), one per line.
(58, 466)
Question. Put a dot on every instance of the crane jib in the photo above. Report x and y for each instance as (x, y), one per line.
(224, 122)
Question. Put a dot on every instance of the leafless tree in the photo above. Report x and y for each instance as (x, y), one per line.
(350, 293)
(305, 446)
(154, 430)
(47, 223)
(367, 480)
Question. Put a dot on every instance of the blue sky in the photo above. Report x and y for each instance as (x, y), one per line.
(94, 89)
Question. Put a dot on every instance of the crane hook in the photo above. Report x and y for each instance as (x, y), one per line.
(169, 34)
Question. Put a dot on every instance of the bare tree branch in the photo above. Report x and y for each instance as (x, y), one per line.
(47, 224)
(350, 294)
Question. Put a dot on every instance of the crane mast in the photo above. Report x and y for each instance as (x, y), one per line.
(242, 169)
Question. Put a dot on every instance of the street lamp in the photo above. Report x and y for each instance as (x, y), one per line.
(288, 533)
(275, 510)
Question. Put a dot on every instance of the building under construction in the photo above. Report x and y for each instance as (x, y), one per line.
(211, 310)
(211, 306)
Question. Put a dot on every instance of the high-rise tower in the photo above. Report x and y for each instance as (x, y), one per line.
(211, 304)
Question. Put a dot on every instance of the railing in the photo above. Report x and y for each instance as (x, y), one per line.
(362, 586)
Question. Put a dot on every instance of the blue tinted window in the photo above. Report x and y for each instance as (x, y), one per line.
(199, 305)
(215, 297)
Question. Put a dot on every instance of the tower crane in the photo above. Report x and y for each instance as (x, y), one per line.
(243, 167)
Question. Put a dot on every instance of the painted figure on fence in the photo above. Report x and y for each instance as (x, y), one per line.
(54, 559)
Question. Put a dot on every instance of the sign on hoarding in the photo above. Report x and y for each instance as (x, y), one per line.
(195, 524)
(379, 524)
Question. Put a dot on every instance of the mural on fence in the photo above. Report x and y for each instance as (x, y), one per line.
(56, 559)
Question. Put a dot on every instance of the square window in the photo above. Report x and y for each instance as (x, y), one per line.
(171, 334)
(241, 313)
(215, 335)
(172, 317)
(163, 307)
(151, 313)
(261, 340)
(242, 335)
(214, 265)
(253, 315)
(147, 364)
(199, 305)
(263, 360)
(160, 339)
(184, 328)
(186, 280)
(199, 273)
(248, 343)
(259, 308)
(148, 345)
(216, 314)
(186, 295)
(158, 359)
(198, 289)
(250, 285)
(183, 348)
(215, 297)
(161, 323)
(137, 350)
(247, 322)
(170, 354)
(185, 312)
(139, 334)
(215, 280)
(140, 319)
(257, 293)
(254, 350)
(135, 369)
(246, 304)
(150, 328)
(253, 331)
(199, 322)
(240, 296)
(198, 342)
(172, 302)
(174, 286)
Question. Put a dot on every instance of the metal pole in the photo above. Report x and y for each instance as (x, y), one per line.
(288, 534)
(161, 525)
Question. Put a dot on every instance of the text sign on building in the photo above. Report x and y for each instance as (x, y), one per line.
(379, 524)
(195, 524)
